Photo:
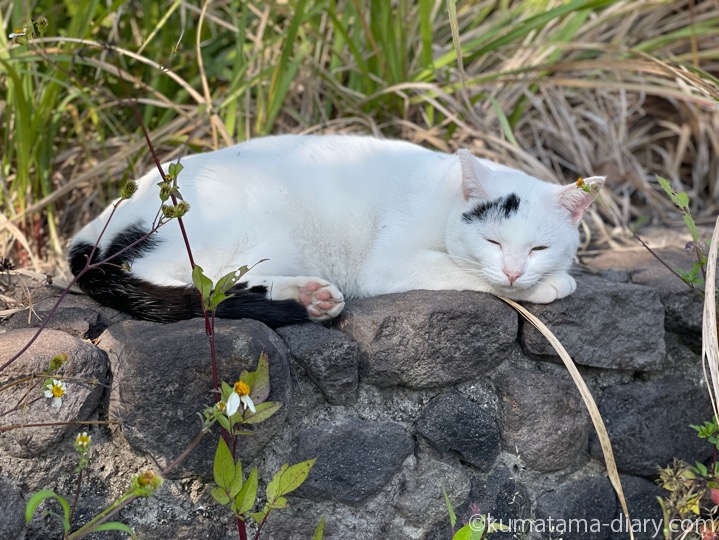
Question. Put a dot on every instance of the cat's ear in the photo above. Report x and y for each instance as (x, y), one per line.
(474, 174)
(576, 199)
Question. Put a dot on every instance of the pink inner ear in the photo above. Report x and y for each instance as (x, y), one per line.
(576, 201)
(473, 174)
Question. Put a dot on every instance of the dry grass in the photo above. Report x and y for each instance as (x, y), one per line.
(627, 91)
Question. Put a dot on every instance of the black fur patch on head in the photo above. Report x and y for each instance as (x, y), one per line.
(503, 207)
(113, 284)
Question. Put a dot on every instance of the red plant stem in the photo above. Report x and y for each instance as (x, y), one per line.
(262, 523)
(77, 496)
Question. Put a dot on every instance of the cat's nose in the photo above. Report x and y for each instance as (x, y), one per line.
(512, 276)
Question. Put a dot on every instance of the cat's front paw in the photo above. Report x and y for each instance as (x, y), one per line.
(552, 288)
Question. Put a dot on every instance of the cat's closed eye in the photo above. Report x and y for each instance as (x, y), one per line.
(539, 248)
(493, 242)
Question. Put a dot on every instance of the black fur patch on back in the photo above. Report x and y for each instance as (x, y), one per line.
(501, 207)
(113, 285)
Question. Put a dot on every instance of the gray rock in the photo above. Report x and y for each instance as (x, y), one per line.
(500, 498)
(453, 422)
(604, 324)
(423, 339)
(355, 458)
(77, 315)
(419, 498)
(648, 424)
(12, 511)
(163, 378)
(544, 419)
(683, 307)
(330, 358)
(84, 373)
(645, 514)
(580, 510)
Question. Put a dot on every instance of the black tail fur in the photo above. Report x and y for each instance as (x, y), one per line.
(113, 285)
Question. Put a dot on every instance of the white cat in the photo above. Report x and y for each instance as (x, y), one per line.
(336, 217)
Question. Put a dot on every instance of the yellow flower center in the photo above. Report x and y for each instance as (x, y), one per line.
(221, 406)
(57, 390)
(83, 440)
(580, 182)
(242, 389)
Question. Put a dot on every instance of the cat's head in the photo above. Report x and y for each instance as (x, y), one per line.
(513, 230)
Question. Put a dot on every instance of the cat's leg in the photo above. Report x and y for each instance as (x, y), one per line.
(550, 289)
(322, 299)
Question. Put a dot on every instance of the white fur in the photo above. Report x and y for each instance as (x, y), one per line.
(358, 214)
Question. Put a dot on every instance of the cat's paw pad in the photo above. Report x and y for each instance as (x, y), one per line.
(552, 288)
(322, 299)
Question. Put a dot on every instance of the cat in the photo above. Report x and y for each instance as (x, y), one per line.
(334, 217)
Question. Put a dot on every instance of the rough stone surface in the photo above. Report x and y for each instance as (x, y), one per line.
(330, 358)
(453, 422)
(12, 511)
(543, 418)
(580, 510)
(84, 374)
(648, 424)
(404, 337)
(498, 496)
(355, 458)
(419, 500)
(683, 307)
(157, 400)
(604, 324)
(77, 315)
(645, 514)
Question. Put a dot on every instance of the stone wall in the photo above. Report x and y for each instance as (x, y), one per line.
(404, 394)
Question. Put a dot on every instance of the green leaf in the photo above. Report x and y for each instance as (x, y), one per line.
(39, 497)
(202, 282)
(689, 221)
(224, 421)
(226, 390)
(262, 412)
(667, 187)
(258, 516)
(175, 169)
(245, 499)
(452, 515)
(288, 479)
(237, 481)
(220, 495)
(115, 526)
(682, 200)
(319, 531)
(278, 503)
(224, 466)
(465, 533)
(261, 389)
(503, 121)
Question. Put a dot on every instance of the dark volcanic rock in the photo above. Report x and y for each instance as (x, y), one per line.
(543, 418)
(683, 307)
(355, 458)
(84, 373)
(453, 422)
(604, 324)
(163, 378)
(644, 510)
(648, 424)
(580, 510)
(422, 339)
(330, 358)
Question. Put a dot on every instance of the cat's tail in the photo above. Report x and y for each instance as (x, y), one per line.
(112, 284)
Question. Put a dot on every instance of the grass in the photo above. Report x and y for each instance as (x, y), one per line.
(559, 88)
